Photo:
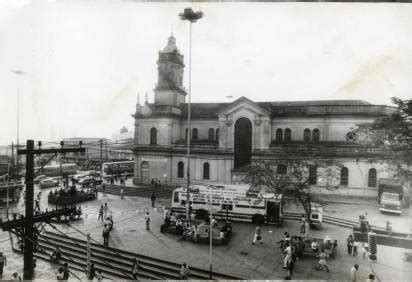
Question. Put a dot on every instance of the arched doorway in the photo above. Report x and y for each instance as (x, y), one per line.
(145, 172)
(243, 142)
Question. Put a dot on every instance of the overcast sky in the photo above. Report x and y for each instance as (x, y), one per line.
(86, 62)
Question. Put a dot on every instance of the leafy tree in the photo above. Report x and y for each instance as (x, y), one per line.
(294, 181)
(392, 137)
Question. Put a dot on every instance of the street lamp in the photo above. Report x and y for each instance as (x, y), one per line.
(19, 73)
(191, 16)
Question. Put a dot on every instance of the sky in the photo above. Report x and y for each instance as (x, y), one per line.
(86, 62)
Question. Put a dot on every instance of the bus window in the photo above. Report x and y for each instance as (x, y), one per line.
(175, 197)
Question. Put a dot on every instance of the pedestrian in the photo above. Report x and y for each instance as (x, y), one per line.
(92, 272)
(147, 219)
(353, 272)
(184, 272)
(291, 266)
(37, 205)
(152, 183)
(355, 248)
(153, 199)
(121, 193)
(288, 254)
(322, 261)
(158, 184)
(99, 275)
(105, 210)
(365, 249)
(16, 277)
(66, 271)
(100, 213)
(371, 278)
(60, 274)
(258, 235)
(3, 262)
(105, 235)
(135, 269)
(349, 244)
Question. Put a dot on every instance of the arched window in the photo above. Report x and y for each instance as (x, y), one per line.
(217, 134)
(344, 176)
(206, 171)
(211, 134)
(194, 134)
(279, 135)
(180, 170)
(281, 169)
(153, 136)
(306, 135)
(372, 178)
(313, 174)
(315, 135)
(288, 135)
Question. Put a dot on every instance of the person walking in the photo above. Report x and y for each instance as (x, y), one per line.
(121, 193)
(3, 262)
(258, 235)
(66, 271)
(105, 210)
(135, 269)
(349, 244)
(355, 248)
(37, 202)
(106, 235)
(353, 272)
(92, 273)
(184, 272)
(153, 199)
(100, 213)
(147, 219)
(288, 254)
(291, 266)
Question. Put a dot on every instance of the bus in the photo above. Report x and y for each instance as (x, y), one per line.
(57, 170)
(116, 168)
(234, 202)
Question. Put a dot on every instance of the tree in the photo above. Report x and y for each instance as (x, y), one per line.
(392, 135)
(293, 177)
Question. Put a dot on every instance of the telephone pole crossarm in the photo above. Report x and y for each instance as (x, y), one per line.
(52, 151)
(44, 217)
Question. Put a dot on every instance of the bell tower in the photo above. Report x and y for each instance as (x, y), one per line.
(169, 89)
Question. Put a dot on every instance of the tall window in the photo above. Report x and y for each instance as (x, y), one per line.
(344, 176)
(315, 135)
(206, 171)
(313, 174)
(211, 134)
(180, 170)
(217, 134)
(153, 136)
(306, 135)
(288, 135)
(194, 134)
(281, 169)
(372, 178)
(279, 135)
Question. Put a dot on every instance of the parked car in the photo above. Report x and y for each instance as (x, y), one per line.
(91, 173)
(87, 180)
(39, 178)
(48, 182)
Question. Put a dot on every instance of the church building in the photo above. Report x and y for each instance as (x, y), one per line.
(227, 137)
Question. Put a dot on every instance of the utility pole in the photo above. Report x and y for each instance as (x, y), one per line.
(101, 158)
(28, 221)
(106, 151)
(88, 256)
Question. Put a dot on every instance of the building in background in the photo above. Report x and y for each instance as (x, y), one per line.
(227, 137)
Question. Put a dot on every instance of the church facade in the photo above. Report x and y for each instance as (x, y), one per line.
(227, 137)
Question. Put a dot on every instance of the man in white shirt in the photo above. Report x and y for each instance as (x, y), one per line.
(353, 272)
(288, 256)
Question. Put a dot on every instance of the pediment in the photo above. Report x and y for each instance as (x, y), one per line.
(243, 103)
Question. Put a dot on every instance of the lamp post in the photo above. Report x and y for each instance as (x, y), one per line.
(191, 16)
(211, 233)
(19, 73)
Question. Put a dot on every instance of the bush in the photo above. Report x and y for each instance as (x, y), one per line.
(202, 214)
(258, 219)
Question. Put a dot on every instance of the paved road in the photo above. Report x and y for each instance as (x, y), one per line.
(238, 257)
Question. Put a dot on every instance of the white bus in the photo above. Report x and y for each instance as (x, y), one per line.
(234, 202)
